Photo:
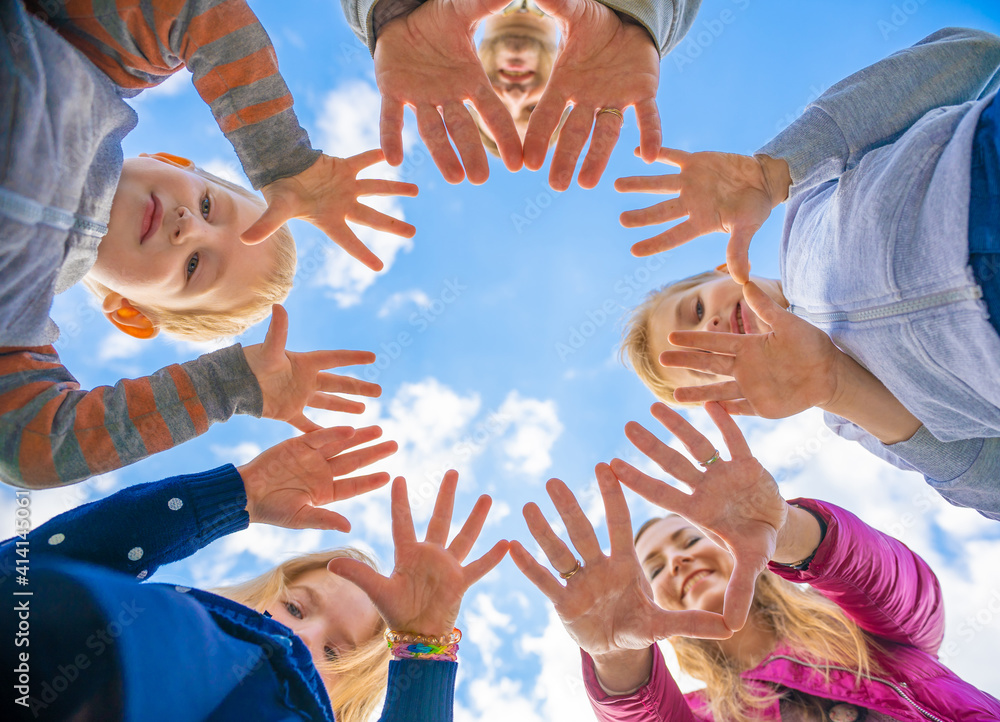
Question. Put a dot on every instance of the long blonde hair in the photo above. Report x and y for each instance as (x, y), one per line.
(636, 349)
(359, 687)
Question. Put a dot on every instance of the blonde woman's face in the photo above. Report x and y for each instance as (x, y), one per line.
(716, 305)
(329, 614)
(685, 569)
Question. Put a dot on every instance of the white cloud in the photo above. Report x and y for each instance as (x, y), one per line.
(348, 126)
(534, 428)
(237, 455)
(178, 83)
(398, 300)
(271, 543)
(227, 170)
(117, 345)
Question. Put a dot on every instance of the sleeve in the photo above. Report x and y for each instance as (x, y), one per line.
(420, 690)
(52, 433)
(965, 472)
(139, 44)
(889, 591)
(140, 528)
(875, 106)
(659, 700)
(667, 21)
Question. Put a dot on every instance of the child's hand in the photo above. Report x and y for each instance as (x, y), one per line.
(775, 375)
(424, 592)
(736, 502)
(717, 192)
(291, 381)
(287, 484)
(326, 194)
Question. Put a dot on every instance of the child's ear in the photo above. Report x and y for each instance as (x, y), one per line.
(170, 159)
(127, 318)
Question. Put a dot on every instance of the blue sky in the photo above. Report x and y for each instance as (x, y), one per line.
(497, 327)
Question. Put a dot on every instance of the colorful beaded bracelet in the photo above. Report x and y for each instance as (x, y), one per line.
(406, 645)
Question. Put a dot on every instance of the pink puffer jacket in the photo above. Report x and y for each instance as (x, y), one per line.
(889, 591)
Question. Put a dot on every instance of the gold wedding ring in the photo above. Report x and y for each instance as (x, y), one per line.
(613, 111)
(571, 572)
(709, 462)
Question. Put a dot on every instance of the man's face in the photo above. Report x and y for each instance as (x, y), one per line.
(173, 241)
(517, 61)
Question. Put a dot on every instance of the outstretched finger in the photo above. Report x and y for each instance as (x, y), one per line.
(469, 143)
(402, 521)
(665, 183)
(694, 441)
(333, 435)
(332, 447)
(361, 575)
(334, 383)
(330, 402)
(739, 594)
(391, 130)
(340, 357)
(496, 118)
(738, 252)
(738, 407)
(708, 362)
(670, 238)
(647, 117)
(653, 490)
(731, 434)
(379, 187)
(432, 131)
(579, 528)
(725, 391)
(725, 343)
(542, 124)
(763, 305)
(673, 156)
(607, 129)
(362, 160)
(536, 573)
(340, 233)
(558, 553)
(572, 138)
(696, 624)
(463, 542)
(615, 510)
(474, 571)
(277, 332)
(358, 485)
(277, 213)
(352, 461)
(303, 423)
(670, 460)
(444, 506)
(368, 216)
(315, 517)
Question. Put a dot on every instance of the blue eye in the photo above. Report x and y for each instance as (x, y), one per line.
(293, 610)
(206, 206)
(699, 309)
(192, 265)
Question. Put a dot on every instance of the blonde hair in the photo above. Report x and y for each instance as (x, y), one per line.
(205, 325)
(487, 56)
(636, 350)
(358, 689)
(798, 617)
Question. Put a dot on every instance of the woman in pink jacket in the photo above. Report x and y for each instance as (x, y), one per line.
(860, 643)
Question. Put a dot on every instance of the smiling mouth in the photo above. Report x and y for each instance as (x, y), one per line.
(737, 322)
(516, 76)
(151, 219)
(692, 580)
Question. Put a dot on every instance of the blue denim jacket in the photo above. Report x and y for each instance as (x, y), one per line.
(875, 250)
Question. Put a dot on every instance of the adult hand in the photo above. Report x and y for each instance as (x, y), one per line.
(326, 194)
(603, 63)
(290, 381)
(427, 59)
(735, 502)
(424, 592)
(287, 484)
(717, 192)
(607, 604)
(776, 374)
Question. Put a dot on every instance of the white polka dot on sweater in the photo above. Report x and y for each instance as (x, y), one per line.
(57, 539)
(135, 554)
(175, 504)
(183, 590)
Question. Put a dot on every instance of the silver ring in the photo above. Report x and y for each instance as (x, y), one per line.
(709, 462)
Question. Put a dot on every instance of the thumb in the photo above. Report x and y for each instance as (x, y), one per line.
(738, 252)
(359, 574)
(739, 594)
(556, 8)
(277, 213)
(696, 624)
(277, 333)
(316, 517)
(763, 305)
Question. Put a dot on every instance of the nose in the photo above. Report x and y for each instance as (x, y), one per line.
(185, 227)
(715, 322)
(312, 637)
(678, 561)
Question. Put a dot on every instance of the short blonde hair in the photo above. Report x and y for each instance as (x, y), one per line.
(358, 690)
(209, 325)
(637, 349)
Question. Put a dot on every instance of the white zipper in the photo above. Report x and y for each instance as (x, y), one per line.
(956, 295)
(31, 213)
(895, 687)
